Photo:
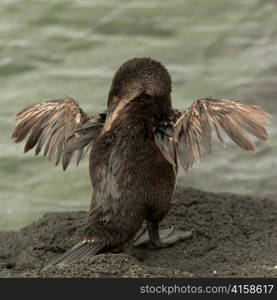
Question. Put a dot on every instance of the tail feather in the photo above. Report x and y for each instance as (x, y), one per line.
(80, 250)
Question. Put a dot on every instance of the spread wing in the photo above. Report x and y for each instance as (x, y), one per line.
(59, 126)
(191, 133)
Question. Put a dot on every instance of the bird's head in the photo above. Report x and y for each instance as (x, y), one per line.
(138, 77)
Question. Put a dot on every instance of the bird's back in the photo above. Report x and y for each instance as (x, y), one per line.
(130, 177)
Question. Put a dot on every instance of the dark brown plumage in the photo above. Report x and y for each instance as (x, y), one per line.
(135, 148)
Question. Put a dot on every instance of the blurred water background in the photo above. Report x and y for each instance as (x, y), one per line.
(52, 48)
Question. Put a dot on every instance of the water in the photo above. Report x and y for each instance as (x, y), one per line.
(217, 48)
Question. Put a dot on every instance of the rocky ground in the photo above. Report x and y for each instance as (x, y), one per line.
(233, 236)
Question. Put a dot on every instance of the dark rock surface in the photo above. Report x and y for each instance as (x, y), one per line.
(233, 236)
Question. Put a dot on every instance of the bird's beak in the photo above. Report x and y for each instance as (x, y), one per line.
(113, 115)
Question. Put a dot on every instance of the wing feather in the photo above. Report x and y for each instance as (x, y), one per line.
(163, 139)
(192, 129)
(51, 125)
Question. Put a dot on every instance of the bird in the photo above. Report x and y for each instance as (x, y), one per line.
(136, 147)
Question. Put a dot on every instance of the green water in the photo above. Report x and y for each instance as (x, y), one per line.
(48, 49)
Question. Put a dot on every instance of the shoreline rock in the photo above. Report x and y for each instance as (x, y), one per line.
(233, 236)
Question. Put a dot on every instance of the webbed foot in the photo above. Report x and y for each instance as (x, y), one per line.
(155, 238)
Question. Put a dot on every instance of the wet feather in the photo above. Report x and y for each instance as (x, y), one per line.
(51, 124)
(192, 130)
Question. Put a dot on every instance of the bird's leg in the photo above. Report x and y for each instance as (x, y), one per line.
(140, 232)
(156, 238)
